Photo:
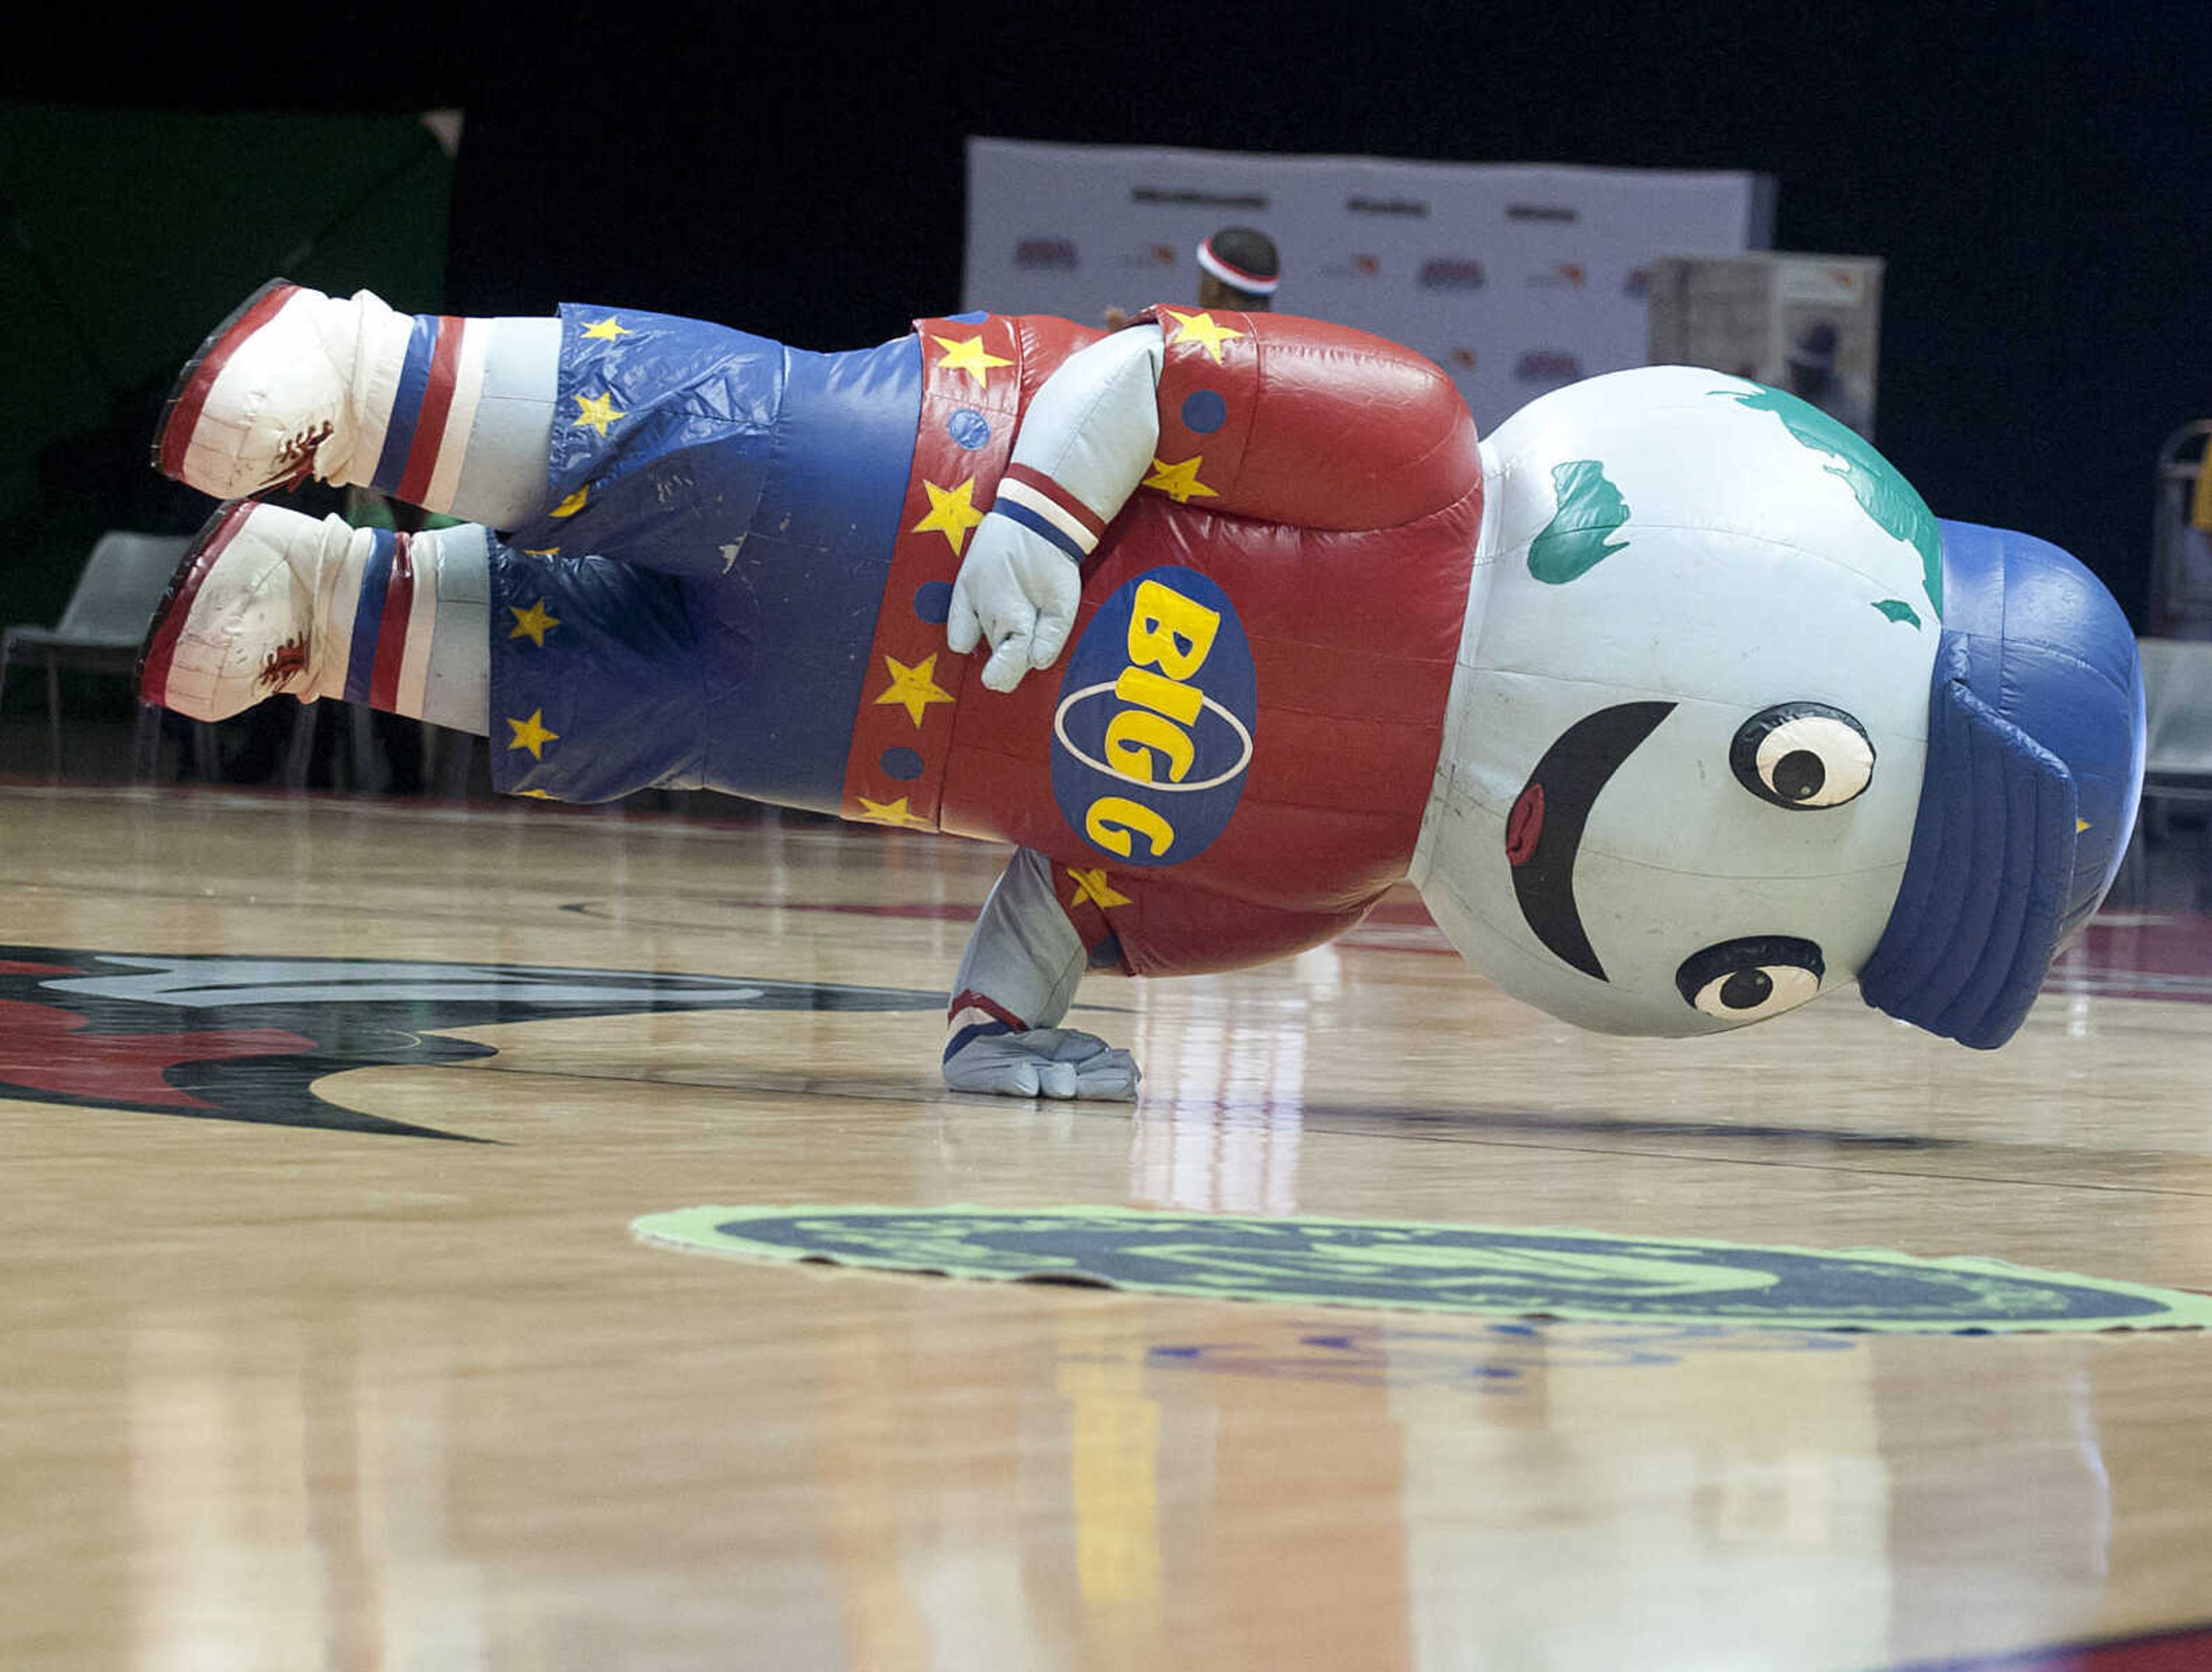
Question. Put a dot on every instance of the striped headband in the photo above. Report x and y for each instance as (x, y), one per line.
(1257, 284)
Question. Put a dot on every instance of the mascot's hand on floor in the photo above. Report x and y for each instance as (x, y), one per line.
(1043, 1063)
(1017, 592)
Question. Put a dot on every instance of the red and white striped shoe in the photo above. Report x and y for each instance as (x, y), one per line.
(243, 617)
(293, 384)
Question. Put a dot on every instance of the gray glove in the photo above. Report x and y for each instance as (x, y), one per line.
(1043, 1063)
(1016, 595)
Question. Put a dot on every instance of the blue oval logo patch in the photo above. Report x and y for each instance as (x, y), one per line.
(1152, 736)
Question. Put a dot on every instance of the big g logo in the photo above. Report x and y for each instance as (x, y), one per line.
(1153, 733)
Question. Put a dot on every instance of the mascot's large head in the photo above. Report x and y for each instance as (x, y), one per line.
(1737, 720)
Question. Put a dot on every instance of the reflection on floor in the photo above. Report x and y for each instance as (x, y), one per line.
(385, 1380)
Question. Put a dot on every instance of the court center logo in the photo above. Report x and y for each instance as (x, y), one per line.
(247, 1038)
(1484, 1269)
(1153, 733)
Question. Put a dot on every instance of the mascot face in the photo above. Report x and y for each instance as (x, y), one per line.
(1690, 721)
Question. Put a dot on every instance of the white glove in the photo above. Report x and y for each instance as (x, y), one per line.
(1018, 593)
(1089, 432)
(1043, 1063)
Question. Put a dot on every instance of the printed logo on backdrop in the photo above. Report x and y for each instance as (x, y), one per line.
(1411, 208)
(1048, 253)
(1811, 281)
(247, 1038)
(1153, 734)
(1547, 365)
(1152, 256)
(1185, 197)
(1453, 273)
(1463, 360)
(1564, 276)
(1637, 283)
(1360, 267)
(1564, 213)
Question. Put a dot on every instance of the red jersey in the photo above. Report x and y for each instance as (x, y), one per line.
(1231, 759)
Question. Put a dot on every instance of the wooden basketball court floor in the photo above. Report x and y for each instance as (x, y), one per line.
(328, 1343)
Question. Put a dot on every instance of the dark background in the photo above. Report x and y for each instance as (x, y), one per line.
(2036, 177)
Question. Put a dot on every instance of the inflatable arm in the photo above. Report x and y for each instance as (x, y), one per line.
(1016, 980)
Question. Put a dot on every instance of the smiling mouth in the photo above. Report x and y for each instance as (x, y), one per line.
(1544, 831)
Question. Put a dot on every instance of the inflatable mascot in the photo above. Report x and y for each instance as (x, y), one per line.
(1671, 697)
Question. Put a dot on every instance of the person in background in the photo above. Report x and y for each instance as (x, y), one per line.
(1238, 270)
(1814, 376)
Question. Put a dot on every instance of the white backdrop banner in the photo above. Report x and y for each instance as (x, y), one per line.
(1515, 278)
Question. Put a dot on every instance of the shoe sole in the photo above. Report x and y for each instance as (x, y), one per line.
(180, 414)
(158, 649)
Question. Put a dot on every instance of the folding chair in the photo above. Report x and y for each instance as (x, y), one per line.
(2177, 744)
(101, 628)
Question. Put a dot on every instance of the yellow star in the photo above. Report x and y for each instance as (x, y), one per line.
(1093, 886)
(952, 512)
(537, 795)
(597, 412)
(891, 812)
(1180, 482)
(542, 550)
(1200, 328)
(969, 357)
(916, 688)
(533, 623)
(570, 506)
(2080, 825)
(606, 330)
(531, 734)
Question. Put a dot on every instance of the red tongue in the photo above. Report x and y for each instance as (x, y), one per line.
(1523, 826)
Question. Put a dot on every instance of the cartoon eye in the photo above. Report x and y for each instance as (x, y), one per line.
(1800, 754)
(1752, 979)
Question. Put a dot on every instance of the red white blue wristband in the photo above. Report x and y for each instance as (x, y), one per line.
(1038, 503)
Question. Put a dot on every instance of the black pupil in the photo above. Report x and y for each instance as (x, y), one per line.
(1746, 989)
(1798, 775)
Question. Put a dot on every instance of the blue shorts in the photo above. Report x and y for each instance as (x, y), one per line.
(696, 609)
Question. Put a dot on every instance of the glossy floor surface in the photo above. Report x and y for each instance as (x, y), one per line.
(327, 1343)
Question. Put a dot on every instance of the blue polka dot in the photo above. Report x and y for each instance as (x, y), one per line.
(974, 318)
(969, 427)
(932, 600)
(902, 764)
(1205, 412)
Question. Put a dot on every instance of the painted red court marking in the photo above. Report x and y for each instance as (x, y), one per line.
(47, 1050)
